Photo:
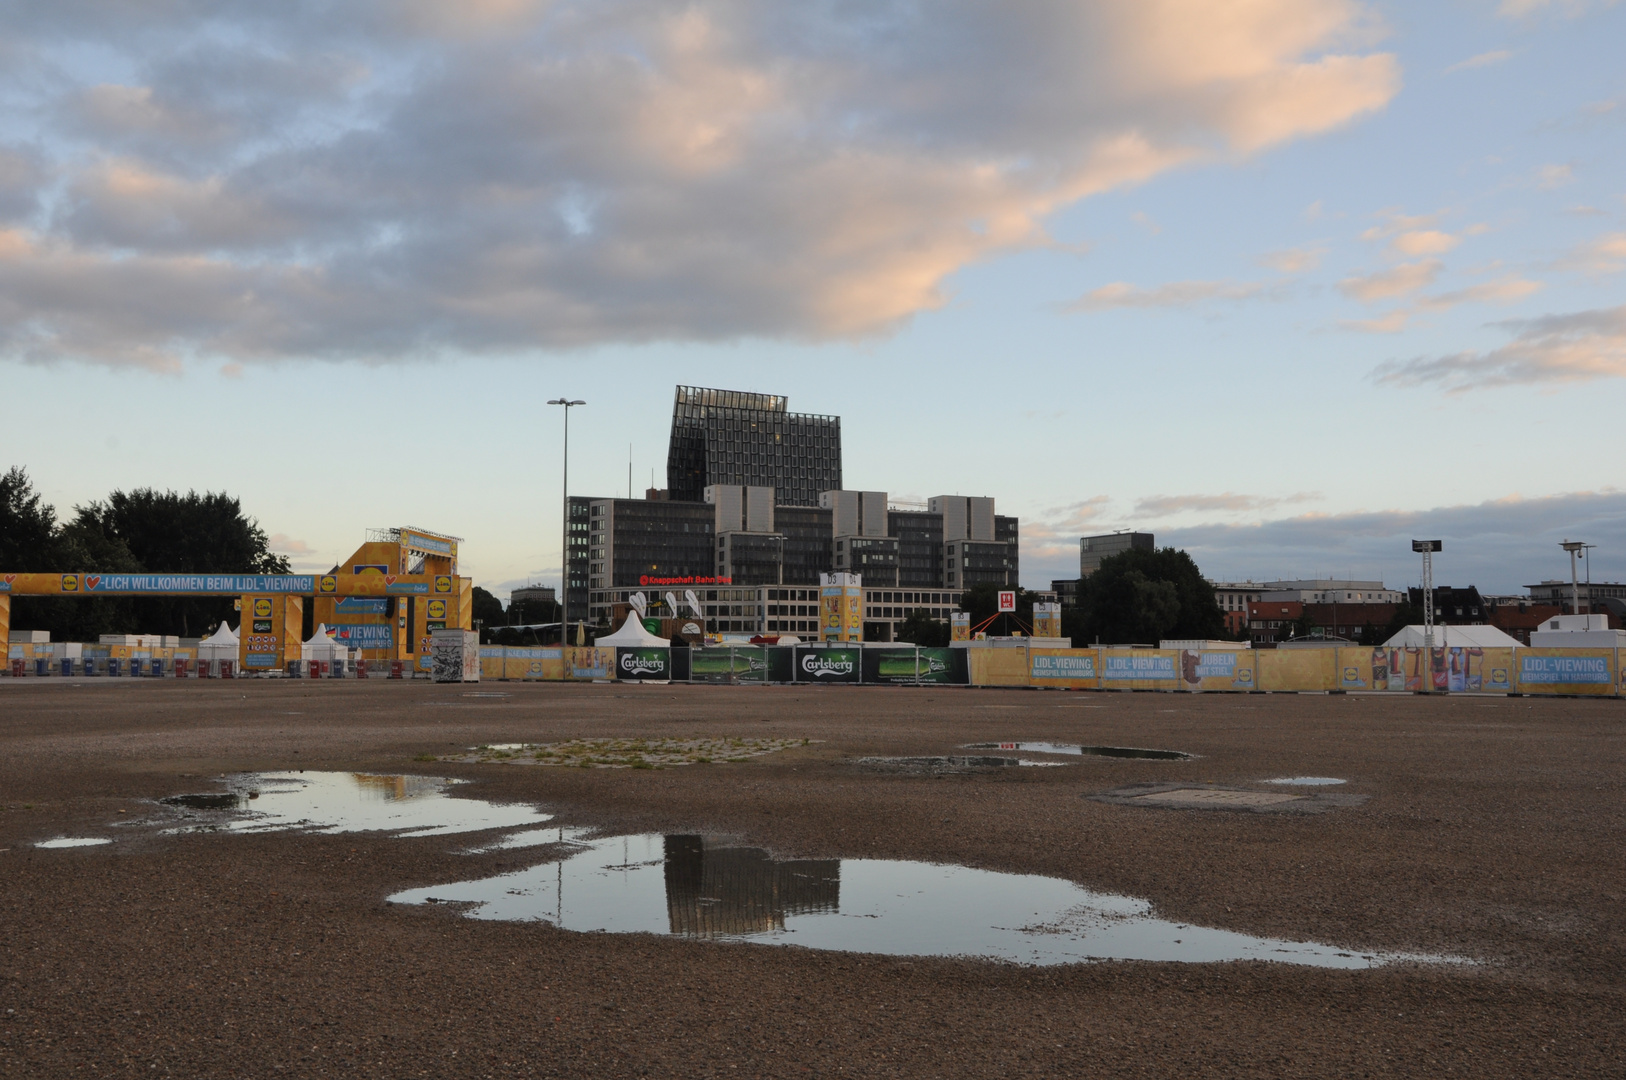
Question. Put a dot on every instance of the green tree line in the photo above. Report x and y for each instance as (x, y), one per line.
(128, 532)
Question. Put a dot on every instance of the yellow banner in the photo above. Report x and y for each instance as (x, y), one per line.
(1218, 669)
(998, 667)
(1298, 669)
(1067, 669)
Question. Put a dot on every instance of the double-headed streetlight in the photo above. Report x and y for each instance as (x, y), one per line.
(564, 522)
(1578, 550)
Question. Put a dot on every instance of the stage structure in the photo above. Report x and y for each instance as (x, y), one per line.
(387, 599)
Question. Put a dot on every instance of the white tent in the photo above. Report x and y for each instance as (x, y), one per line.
(221, 645)
(323, 647)
(632, 635)
(1476, 636)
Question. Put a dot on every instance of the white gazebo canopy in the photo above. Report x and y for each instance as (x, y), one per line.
(1476, 636)
(632, 635)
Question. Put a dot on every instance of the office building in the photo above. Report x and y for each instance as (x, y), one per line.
(1558, 593)
(750, 440)
(1331, 591)
(1092, 549)
(1233, 598)
(753, 557)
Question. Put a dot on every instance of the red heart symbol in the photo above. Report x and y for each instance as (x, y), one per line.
(93, 581)
(10, 578)
(389, 579)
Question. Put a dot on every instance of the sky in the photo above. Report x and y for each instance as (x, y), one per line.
(1287, 283)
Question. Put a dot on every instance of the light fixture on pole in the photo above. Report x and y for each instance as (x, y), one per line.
(1573, 547)
(564, 522)
(1428, 548)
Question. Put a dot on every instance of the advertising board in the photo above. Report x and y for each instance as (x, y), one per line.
(827, 665)
(1074, 668)
(364, 635)
(1138, 669)
(732, 663)
(643, 664)
(936, 666)
(589, 662)
(1220, 669)
(1566, 671)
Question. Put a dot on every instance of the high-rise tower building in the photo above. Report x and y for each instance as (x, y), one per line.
(751, 440)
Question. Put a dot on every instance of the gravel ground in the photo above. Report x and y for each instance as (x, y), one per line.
(1493, 830)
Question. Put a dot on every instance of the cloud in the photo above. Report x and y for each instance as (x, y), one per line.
(1392, 322)
(1500, 545)
(1398, 281)
(1424, 242)
(1394, 222)
(1578, 347)
(1484, 59)
(1504, 290)
(1294, 260)
(383, 181)
(1604, 255)
(1160, 506)
(1121, 294)
(1519, 9)
(1555, 176)
(1144, 220)
(284, 544)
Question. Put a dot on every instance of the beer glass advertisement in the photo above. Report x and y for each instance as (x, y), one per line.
(827, 665)
(914, 666)
(642, 664)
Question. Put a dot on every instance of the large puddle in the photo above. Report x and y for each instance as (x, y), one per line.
(1086, 751)
(335, 802)
(692, 887)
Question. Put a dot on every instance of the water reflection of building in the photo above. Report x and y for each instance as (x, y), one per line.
(712, 891)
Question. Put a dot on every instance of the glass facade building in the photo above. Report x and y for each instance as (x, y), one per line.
(734, 437)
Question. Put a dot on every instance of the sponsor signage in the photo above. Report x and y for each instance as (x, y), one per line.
(827, 665)
(361, 605)
(1049, 666)
(263, 626)
(747, 664)
(262, 607)
(1126, 668)
(364, 635)
(371, 568)
(434, 545)
(1577, 670)
(645, 579)
(642, 663)
(914, 665)
(190, 583)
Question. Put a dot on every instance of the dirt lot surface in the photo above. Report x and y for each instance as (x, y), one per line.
(1495, 829)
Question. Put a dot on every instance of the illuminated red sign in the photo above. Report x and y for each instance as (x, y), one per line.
(645, 579)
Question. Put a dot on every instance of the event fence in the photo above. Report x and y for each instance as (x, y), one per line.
(1590, 672)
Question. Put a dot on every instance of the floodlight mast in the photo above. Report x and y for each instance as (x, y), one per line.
(564, 521)
(1574, 546)
(1428, 548)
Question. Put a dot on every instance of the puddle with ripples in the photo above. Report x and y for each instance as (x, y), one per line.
(1087, 751)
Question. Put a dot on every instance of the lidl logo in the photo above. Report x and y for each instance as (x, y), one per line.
(437, 609)
(327, 583)
(443, 583)
(70, 582)
(262, 608)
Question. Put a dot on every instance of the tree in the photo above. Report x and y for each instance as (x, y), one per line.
(1406, 614)
(1141, 596)
(191, 533)
(28, 540)
(487, 612)
(921, 629)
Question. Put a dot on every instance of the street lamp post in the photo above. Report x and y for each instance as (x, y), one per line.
(564, 521)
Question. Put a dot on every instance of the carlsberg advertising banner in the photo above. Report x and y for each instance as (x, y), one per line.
(915, 666)
(652, 664)
(729, 663)
(826, 665)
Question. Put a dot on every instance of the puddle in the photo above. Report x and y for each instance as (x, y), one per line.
(486, 694)
(337, 802)
(1195, 796)
(692, 887)
(73, 841)
(1306, 781)
(1087, 751)
(957, 763)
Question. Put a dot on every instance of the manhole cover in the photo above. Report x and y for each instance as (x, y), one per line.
(1188, 796)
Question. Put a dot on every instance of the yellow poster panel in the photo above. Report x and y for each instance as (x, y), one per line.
(998, 667)
(1220, 669)
(491, 662)
(1062, 669)
(1298, 669)
(1567, 671)
(589, 663)
(532, 664)
(853, 602)
(1139, 669)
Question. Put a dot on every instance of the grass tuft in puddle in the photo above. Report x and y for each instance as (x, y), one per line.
(626, 753)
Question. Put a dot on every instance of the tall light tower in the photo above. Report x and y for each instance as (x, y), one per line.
(1574, 547)
(1428, 548)
(564, 521)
